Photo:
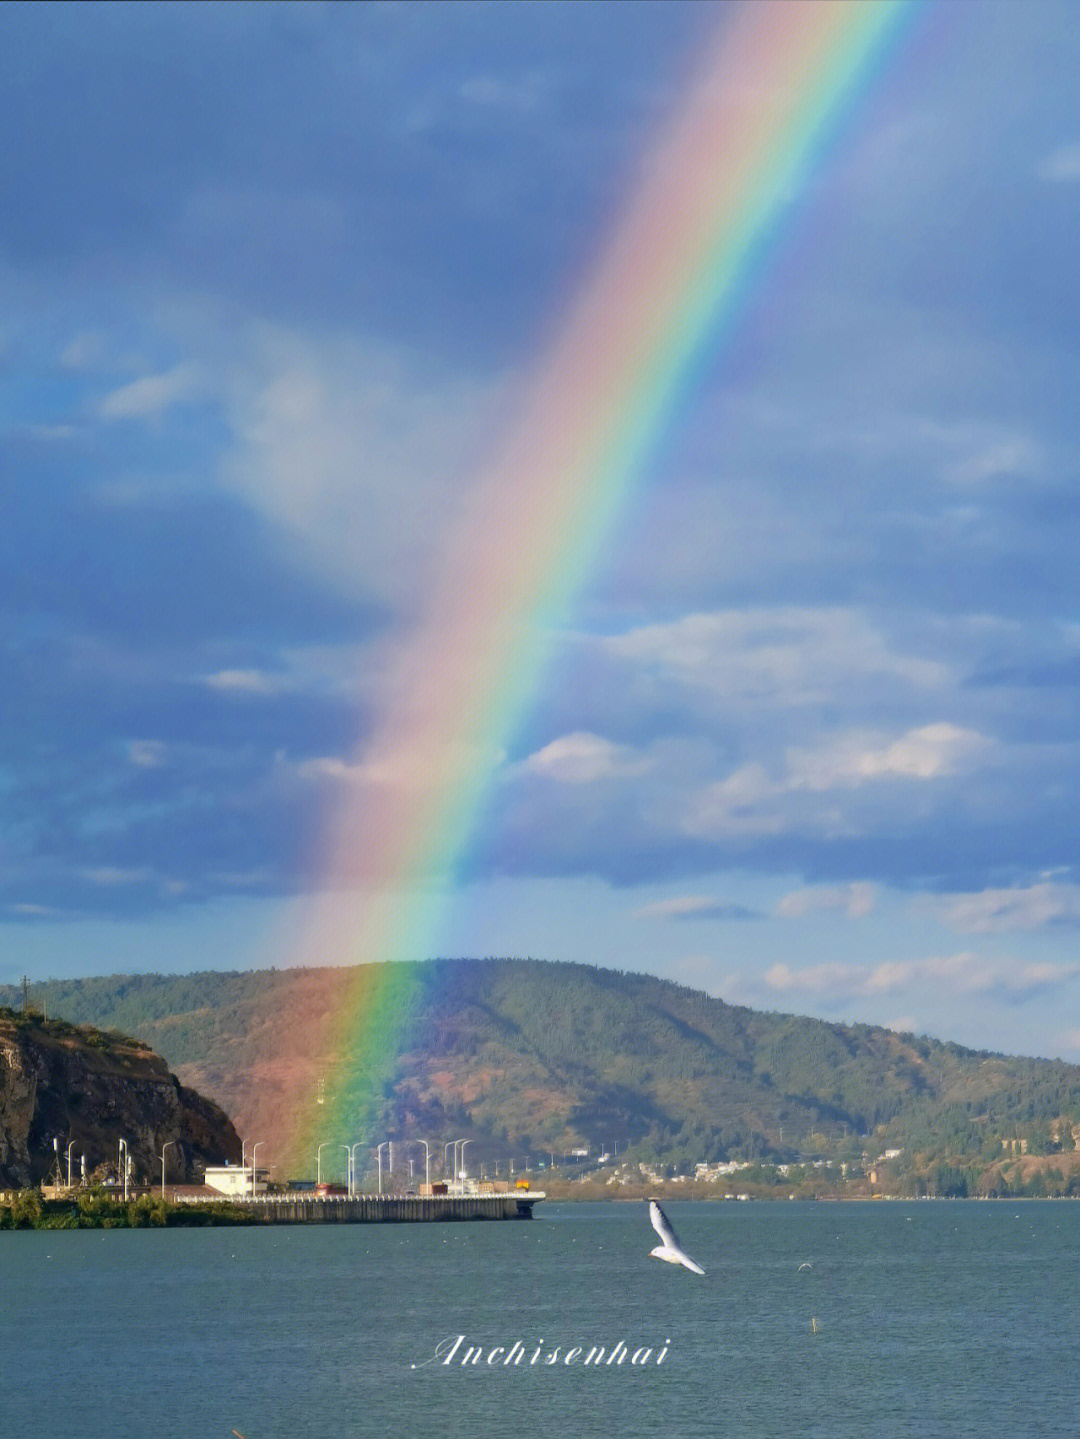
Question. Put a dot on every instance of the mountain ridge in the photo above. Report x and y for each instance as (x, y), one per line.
(531, 1053)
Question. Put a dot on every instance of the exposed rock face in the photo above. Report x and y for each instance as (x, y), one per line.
(61, 1082)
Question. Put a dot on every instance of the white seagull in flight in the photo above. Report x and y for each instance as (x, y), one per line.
(671, 1251)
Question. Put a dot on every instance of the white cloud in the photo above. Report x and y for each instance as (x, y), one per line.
(111, 876)
(147, 754)
(856, 900)
(152, 394)
(332, 767)
(1032, 907)
(971, 453)
(683, 907)
(252, 682)
(751, 801)
(964, 973)
(583, 758)
(1007, 457)
(927, 752)
(745, 803)
(401, 768)
(767, 656)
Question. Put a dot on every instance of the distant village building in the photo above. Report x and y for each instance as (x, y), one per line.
(712, 1172)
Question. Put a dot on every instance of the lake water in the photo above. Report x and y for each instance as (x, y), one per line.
(935, 1319)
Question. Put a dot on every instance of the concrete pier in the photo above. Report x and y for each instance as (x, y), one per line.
(303, 1208)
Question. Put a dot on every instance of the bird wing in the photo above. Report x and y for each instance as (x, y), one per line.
(662, 1224)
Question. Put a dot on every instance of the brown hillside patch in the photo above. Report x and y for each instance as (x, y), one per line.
(1068, 1162)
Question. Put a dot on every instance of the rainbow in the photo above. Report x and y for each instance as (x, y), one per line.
(711, 200)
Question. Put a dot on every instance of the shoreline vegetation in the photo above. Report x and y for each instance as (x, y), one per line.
(29, 1209)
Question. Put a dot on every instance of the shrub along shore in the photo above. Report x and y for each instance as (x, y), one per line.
(29, 1209)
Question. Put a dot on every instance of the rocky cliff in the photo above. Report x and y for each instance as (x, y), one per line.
(63, 1082)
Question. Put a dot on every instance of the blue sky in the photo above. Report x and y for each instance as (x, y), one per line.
(810, 737)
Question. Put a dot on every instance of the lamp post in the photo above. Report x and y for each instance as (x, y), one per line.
(352, 1164)
(165, 1146)
(461, 1168)
(122, 1164)
(70, 1143)
(446, 1157)
(427, 1162)
(378, 1157)
(457, 1162)
(318, 1161)
(254, 1147)
(348, 1167)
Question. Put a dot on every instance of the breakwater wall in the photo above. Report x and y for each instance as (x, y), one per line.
(385, 1208)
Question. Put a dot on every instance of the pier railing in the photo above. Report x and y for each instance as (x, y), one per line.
(299, 1207)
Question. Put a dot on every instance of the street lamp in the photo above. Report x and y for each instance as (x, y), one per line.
(461, 1169)
(318, 1161)
(378, 1157)
(457, 1162)
(427, 1163)
(70, 1143)
(254, 1147)
(165, 1146)
(446, 1157)
(352, 1162)
(348, 1167)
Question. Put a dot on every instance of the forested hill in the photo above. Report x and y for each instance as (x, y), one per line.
(525, 1053)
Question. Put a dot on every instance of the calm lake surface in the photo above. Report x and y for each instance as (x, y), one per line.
(932, 1319)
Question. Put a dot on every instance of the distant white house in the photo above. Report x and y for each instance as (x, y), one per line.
(236, 1179)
